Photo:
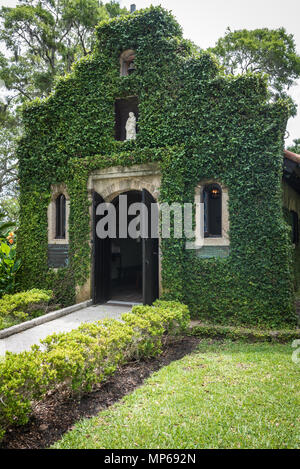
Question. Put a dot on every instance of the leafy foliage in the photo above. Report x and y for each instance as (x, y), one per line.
(271, 51)
(196, 124)
(23, 306)
(295, 148)
(41, 40)
(8, 162)
(5, 226)
(9, 207)
(44, 39)
(9, 266)
(213, 331)
(77, 360)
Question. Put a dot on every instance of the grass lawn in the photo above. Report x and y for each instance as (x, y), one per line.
(225, 395)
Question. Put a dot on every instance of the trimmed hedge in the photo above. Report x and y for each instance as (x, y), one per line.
(248, 335)
(23, 306)
(77, 360)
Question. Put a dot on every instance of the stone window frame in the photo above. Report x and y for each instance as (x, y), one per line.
(222, 240)
(57, 190)
(125, 61)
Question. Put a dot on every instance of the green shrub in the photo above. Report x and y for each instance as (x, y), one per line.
(23, 306)
(77, 360)
(23, 377)
(244, 334)
(9, 266)
(151, 322)
(86, 355)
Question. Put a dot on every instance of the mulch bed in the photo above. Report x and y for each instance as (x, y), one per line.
(58, 413)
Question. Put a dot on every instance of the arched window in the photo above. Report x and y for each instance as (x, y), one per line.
(127, 62)
(60, 207)
(212, 200)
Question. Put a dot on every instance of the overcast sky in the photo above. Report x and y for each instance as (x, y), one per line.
(205, 21)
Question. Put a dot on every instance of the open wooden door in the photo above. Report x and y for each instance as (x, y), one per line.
(150, 255)
(101, 259)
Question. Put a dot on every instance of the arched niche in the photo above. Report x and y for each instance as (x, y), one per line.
(127, 62)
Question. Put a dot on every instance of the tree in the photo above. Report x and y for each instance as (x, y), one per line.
(261, 50)
(295, 148)
(8, 162)
(10, 208)
(43, 38)
(5, 226)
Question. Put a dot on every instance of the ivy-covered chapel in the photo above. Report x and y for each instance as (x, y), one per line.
(148, 115)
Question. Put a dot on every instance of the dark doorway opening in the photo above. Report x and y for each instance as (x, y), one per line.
(124, 268)
(127, 259)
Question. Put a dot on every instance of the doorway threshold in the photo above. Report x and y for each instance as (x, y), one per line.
(123, 303)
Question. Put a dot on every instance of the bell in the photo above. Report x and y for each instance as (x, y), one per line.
(131, 68)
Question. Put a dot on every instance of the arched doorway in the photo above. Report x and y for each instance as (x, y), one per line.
(125, 268)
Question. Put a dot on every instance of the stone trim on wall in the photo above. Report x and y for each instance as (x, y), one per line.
(111, 182)
(207, 252)
(213, 241)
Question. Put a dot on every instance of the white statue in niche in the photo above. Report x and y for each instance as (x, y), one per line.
(131, 127)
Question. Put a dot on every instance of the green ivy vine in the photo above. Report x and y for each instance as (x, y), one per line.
(198, 124)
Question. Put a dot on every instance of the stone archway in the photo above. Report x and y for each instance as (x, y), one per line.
(110, 182)
(113, 181)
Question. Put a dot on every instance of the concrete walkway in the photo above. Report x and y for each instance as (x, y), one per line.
(24, 340)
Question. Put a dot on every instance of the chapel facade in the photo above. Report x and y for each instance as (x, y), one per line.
(148, 116)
